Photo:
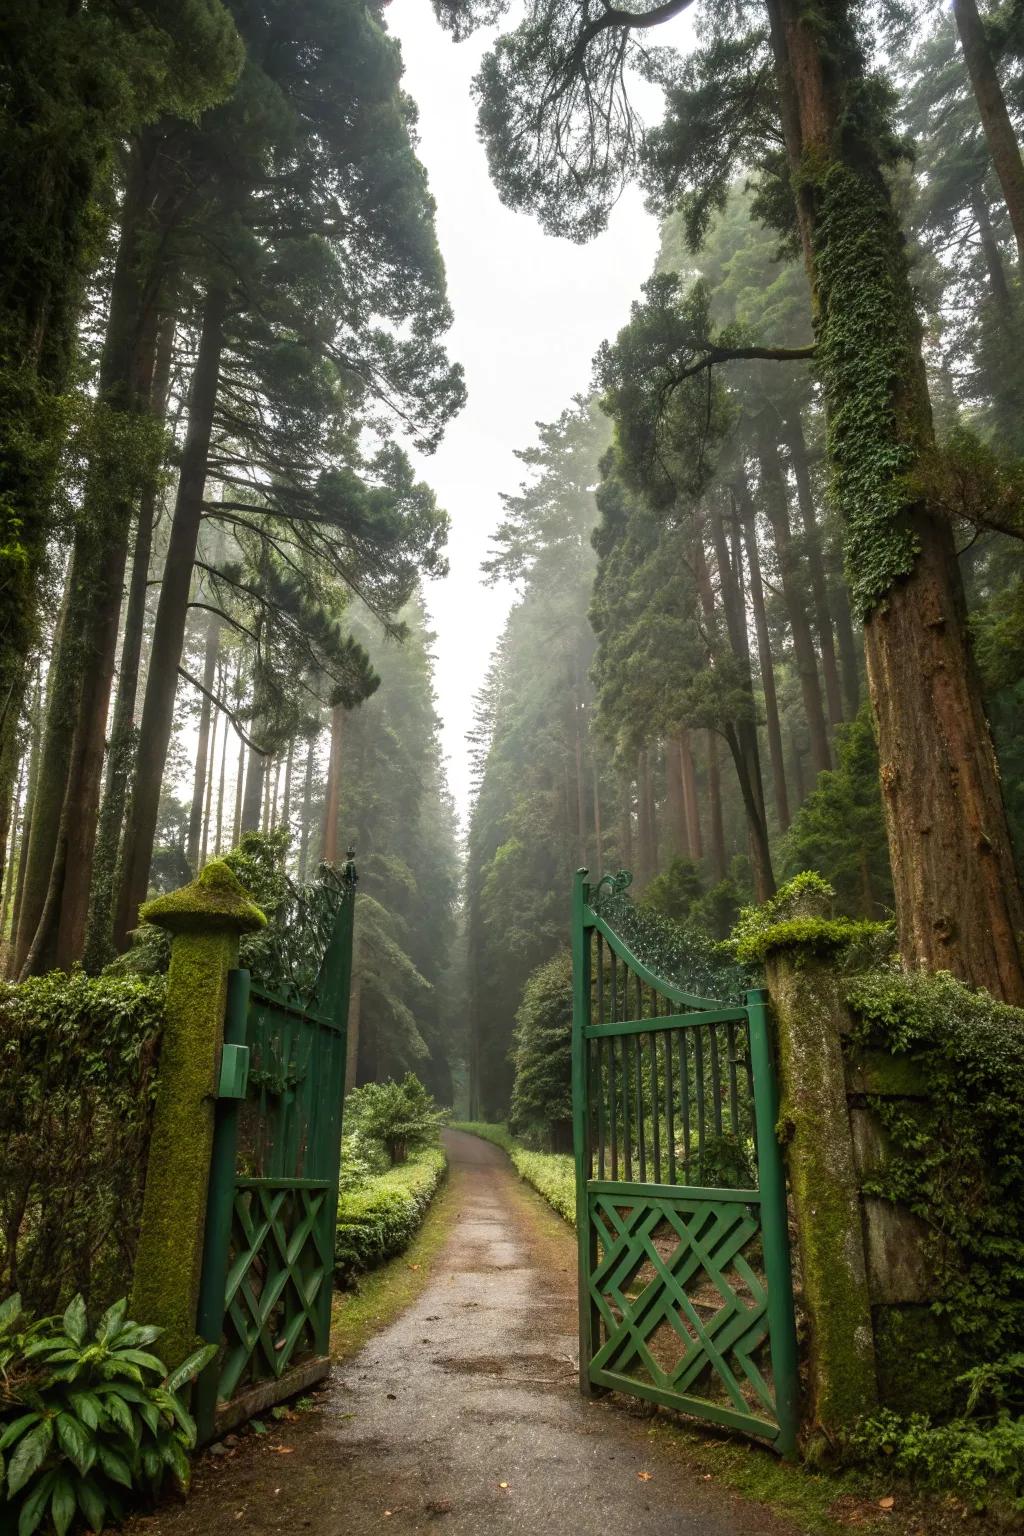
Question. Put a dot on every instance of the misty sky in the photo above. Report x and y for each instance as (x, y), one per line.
(530, 312)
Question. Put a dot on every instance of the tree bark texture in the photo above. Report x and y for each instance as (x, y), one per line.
(764, 655)
(797, 446)
(995, 118)
(169, 628)
(958, 899)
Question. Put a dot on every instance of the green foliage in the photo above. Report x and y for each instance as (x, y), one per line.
(984, 1463)
(679, 895)
(798, 916)
(954, 1155)
(78, 1060)
(87, 1417)
(686, 956)
(379, 1219)
(542, 1088)
(839, 830)
(400, 1117)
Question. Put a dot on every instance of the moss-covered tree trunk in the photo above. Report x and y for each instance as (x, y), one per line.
(169, 629)
(958, 899)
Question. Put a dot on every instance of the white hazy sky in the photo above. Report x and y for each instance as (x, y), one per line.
(530, 312)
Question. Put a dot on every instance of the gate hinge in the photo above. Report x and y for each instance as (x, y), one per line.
(234, 1072)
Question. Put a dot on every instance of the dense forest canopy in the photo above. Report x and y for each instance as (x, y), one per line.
(767, 574)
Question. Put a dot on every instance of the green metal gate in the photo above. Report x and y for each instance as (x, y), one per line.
(268, 1258)
(684, 1269)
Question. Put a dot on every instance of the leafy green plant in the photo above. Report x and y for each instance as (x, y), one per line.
(87, 1417)
(399, 1116)
(380, 1219)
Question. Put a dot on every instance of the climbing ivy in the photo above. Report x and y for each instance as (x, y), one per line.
(867, 343)
(956, 1153)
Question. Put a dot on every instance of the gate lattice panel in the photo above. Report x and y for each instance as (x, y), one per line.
(685, 1285)
(269, 1254)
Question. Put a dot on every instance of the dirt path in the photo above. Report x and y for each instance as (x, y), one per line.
(464, 1415)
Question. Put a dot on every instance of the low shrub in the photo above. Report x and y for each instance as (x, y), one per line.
(378, 1219)
(78, 1060)
(551, 1174)
(400, 1117)
(86, 1417)
(983, 1462)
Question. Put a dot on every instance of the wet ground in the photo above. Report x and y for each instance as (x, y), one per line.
(464, 1416)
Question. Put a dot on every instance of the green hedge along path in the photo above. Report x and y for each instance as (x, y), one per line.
(464, 1414)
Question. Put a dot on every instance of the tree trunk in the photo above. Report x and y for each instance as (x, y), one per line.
(169, 629)
(675, 802)
(718, 866)
(797, 446)
(99, 949)
(26, 825)
(203, 753)
(255, 783)
(764, 656)
(775, 499)
(307, 802)
(995, 119)
(332, 796)
(236, 826)
(690, 797)
(958, 900)
(286, 802)
(848, 651)
(626, 826)
(124, 464)
(220, 791)
(208, 799)
(598, 838)
(644, 855)
(741, 734)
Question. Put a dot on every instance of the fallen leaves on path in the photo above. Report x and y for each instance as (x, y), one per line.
(645, 1477)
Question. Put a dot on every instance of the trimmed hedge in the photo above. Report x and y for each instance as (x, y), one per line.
(552, 1174)
(379, 1220)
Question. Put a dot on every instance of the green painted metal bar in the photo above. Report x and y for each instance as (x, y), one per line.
(219, 1203)
(670, 1109)
(655, 1110)
(698, 1083)
(586, 1240)
(747, 1423)
(684, 1099)
(271, 1182)
(772, 1182)
(626, 955)
(678, 1193)
(669, 1021)
(716, 1080)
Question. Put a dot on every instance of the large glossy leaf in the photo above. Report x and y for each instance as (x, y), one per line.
(121, 1415)
(87, 1406)
(29, 1455)
(91, 1502)
(34, 1506)
(10, 1310)
(115, 1465)
(62, 1504)
(75, 1320)
(190, 1368)
(17, 1428)
(141, 1358)
(76, 1442)
(112, 1320)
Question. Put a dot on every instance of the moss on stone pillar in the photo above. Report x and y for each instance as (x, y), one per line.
(205, 920)
(801, 945)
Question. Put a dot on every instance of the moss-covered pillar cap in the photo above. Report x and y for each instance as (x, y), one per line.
(215, 901)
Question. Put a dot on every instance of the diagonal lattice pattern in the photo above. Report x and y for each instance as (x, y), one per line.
(681, 1306)
(279, 1275)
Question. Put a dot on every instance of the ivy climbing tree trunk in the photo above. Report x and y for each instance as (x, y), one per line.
(958, 900)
